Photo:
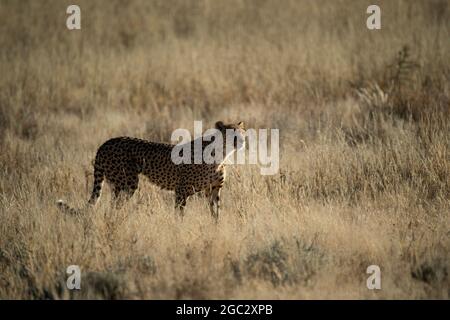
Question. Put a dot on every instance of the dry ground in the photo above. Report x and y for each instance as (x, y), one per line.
(364, 122)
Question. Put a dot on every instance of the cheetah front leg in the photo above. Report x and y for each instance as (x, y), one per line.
(181, 196)
(214, 203)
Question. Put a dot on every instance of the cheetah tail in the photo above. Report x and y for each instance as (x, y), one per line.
(96, 191)
(64, 207)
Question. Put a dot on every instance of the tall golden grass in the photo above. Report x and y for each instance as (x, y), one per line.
(364, 124)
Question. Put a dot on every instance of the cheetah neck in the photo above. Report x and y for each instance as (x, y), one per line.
(227, 156)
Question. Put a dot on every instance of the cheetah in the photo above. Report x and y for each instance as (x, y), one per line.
(120, 161)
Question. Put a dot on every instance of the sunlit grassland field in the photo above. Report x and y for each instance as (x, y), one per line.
(364, 122)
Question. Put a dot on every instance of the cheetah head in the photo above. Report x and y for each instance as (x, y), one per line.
(234, 134)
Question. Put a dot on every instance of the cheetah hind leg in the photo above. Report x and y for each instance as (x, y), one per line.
(122, 194)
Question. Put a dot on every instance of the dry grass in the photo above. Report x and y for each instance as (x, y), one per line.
(365, 164)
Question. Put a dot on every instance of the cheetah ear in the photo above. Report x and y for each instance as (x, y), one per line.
(219, 125)
(241, 125)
